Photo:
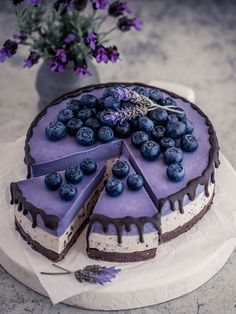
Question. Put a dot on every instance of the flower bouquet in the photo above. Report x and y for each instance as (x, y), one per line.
(68, 32)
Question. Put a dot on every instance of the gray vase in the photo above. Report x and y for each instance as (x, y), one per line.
(50, 85)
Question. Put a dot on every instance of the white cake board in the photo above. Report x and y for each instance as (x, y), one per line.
(116, 297)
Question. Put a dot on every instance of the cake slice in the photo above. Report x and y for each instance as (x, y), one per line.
(124, 228)
(48, 223)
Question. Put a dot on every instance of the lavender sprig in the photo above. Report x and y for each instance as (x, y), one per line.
(92, 273)
(141, 105)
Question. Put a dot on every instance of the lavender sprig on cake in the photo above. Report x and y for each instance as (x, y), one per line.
(141, 105)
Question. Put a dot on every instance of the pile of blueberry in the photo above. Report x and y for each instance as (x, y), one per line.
(73, 175)
(159, 132)
(114, 187)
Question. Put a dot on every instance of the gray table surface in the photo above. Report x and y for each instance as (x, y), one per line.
(188, 42)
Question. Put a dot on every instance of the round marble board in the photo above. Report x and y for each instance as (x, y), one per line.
(187, 262)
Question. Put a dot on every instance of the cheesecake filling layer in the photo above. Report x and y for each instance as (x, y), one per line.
(131, 242)
(50, 241)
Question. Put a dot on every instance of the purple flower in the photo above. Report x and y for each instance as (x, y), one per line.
(96, 274)
(91, 40)
(20, 38)
(61, 54)
(124, 24)
(34, 2)
(120, 93)
(117, 8)
(32, 59)
(137, 24)
(100, 4)
(16, 2)
(69, 38)
(102, 55)
(56, 66)
(110, 116)
(9, 49)
(113, 54)
(81, 68)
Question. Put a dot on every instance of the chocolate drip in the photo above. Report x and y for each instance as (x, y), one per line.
(125, 222)
(50, 221)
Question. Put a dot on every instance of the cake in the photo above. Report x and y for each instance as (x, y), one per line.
(169, 146)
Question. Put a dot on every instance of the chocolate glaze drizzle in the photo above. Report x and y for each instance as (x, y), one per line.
(50, 221)
(208, 175)
(125, 222)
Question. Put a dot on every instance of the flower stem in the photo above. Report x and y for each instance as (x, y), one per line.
(108, 32)
(102, 20)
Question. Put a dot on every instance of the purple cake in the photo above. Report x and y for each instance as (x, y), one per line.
(169, 146)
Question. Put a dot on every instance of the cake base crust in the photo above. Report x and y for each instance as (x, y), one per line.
(53, 256)
(121, 257)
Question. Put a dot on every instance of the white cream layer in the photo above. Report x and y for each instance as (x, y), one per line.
(50, 241)
(108, 243)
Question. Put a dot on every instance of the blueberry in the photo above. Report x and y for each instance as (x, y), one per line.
(173, 155)
(141, 90)
(158, 132)
(114, 187)
(105, 134)
(150, 150)
(85, 136)
(73, 125)
(168, 101)
(155, 94)
(74, 105)
(84, 114)
(93, 123)
(138, 138)
(65, 115)
(120, 169)
(189, 126)
(107, 92)
(55, 131)
(105, 121)
(53, 181)
(158, 116)
(167, 142)
(175, 172)
(89, 101)
(123, 130)
(176, 130)
(135, 182)
(134, 124)
(181, 115)
(111, 103)
(74, 174)
(189, 143)
(172, 118)
(68, 191)
(145, 124)
(88, 166)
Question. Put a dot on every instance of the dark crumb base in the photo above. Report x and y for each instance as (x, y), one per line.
(151, 253)
(122, 257)
(53, 256)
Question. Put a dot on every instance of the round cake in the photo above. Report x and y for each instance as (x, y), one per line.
(133, 162)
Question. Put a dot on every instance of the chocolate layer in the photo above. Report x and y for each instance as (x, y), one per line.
(122, 257)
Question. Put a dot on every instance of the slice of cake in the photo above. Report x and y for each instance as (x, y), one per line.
(125, 225)
(50, 218)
